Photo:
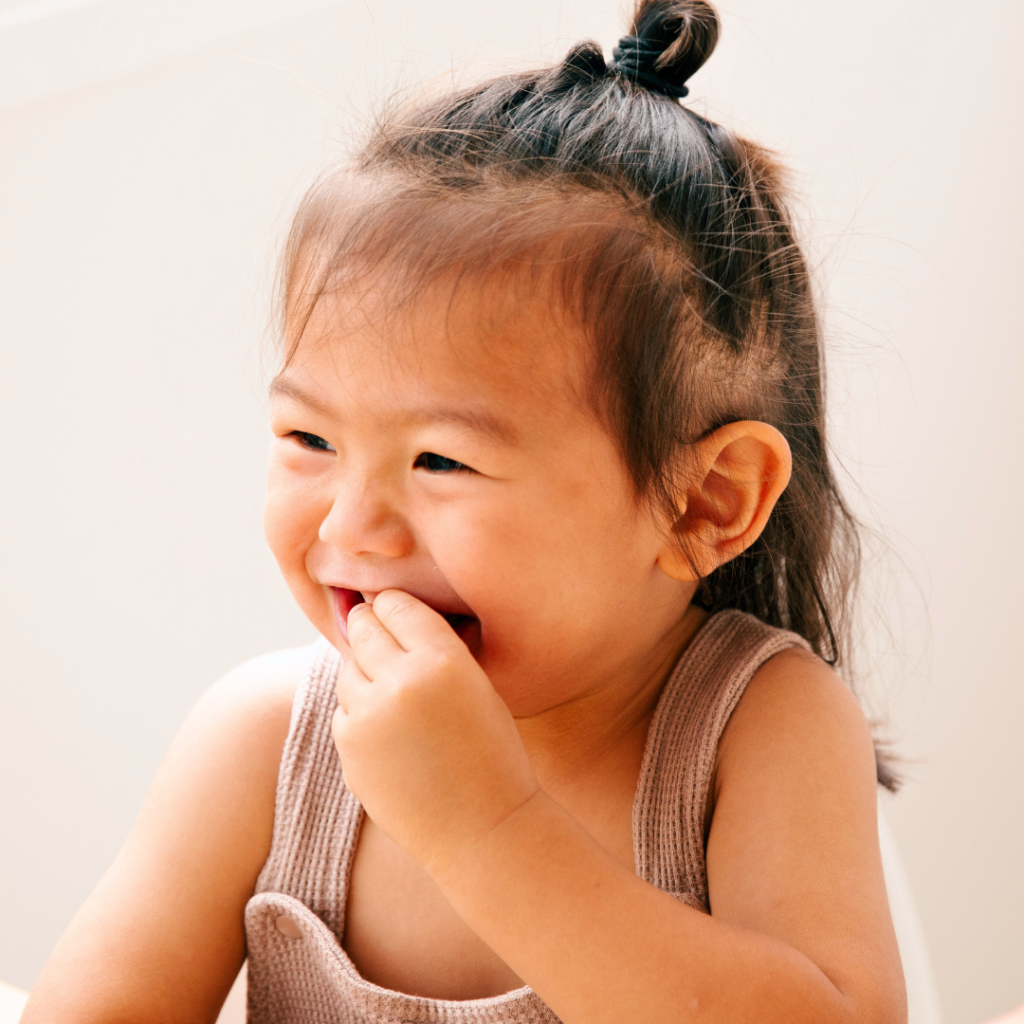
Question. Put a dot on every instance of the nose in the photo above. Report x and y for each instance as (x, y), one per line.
(364, 520)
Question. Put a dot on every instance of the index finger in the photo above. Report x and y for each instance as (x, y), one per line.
(411, 622)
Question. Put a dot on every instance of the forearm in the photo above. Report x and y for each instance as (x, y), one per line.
(600, 945)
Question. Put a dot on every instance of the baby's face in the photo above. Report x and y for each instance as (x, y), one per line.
(448, 453)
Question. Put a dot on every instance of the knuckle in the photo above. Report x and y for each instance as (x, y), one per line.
(433, 660)
(409, 700)
(397, 605)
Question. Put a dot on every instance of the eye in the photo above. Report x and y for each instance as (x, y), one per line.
(438, 463)
(312, 441)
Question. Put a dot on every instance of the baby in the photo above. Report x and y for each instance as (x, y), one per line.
(550, 478)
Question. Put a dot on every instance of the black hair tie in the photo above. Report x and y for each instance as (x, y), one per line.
(636, 60)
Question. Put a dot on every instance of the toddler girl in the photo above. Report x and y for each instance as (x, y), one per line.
(550, 479)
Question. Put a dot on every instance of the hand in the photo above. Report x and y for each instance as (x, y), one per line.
(427, 745)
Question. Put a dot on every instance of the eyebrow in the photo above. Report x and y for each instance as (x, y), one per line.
(478, 420)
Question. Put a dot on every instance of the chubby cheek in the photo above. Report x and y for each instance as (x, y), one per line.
(292, 514)
(521, 583)
(554, 583)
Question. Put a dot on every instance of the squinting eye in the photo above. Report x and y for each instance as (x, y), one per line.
(438, 463)
(313, 441)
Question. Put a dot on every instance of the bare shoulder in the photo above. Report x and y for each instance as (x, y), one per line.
(223, 764)
(180, 884)
(793, 847)
(796, 768)
(266, 683)
(236, 732)
(800, 715)
(254, 699)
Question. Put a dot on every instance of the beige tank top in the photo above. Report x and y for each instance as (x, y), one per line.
(298, 971)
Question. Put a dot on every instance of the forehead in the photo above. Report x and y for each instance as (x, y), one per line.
(504, 338)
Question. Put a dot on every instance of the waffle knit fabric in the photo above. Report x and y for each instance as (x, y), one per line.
(298, 971)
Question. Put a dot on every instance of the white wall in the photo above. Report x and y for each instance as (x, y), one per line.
(149, 153)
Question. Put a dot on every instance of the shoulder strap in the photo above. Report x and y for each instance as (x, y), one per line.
(316, 818)
(682, 742)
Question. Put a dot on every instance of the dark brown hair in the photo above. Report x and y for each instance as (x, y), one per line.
(671, 242)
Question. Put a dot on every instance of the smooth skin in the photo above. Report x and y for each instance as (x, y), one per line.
(446, 464)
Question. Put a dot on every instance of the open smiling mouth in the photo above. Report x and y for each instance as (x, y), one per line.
(345, 600)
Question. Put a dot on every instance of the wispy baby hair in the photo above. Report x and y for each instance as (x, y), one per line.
(667, 237)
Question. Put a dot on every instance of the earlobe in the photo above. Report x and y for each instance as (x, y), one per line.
(736, 476)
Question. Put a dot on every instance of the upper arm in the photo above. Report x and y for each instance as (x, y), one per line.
(793, 847)
(162, 936)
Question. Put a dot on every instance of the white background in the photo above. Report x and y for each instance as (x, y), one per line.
(149, 156)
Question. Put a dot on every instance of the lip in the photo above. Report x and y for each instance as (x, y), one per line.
(344, 601)
(466, 627)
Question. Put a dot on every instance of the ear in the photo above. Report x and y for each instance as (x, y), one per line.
(735, 477)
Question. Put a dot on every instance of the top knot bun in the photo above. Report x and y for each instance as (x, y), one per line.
(681, 32)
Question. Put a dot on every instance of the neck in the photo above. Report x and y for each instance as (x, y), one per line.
(606, 726)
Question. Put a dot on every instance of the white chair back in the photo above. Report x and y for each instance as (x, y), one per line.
(922, 995)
